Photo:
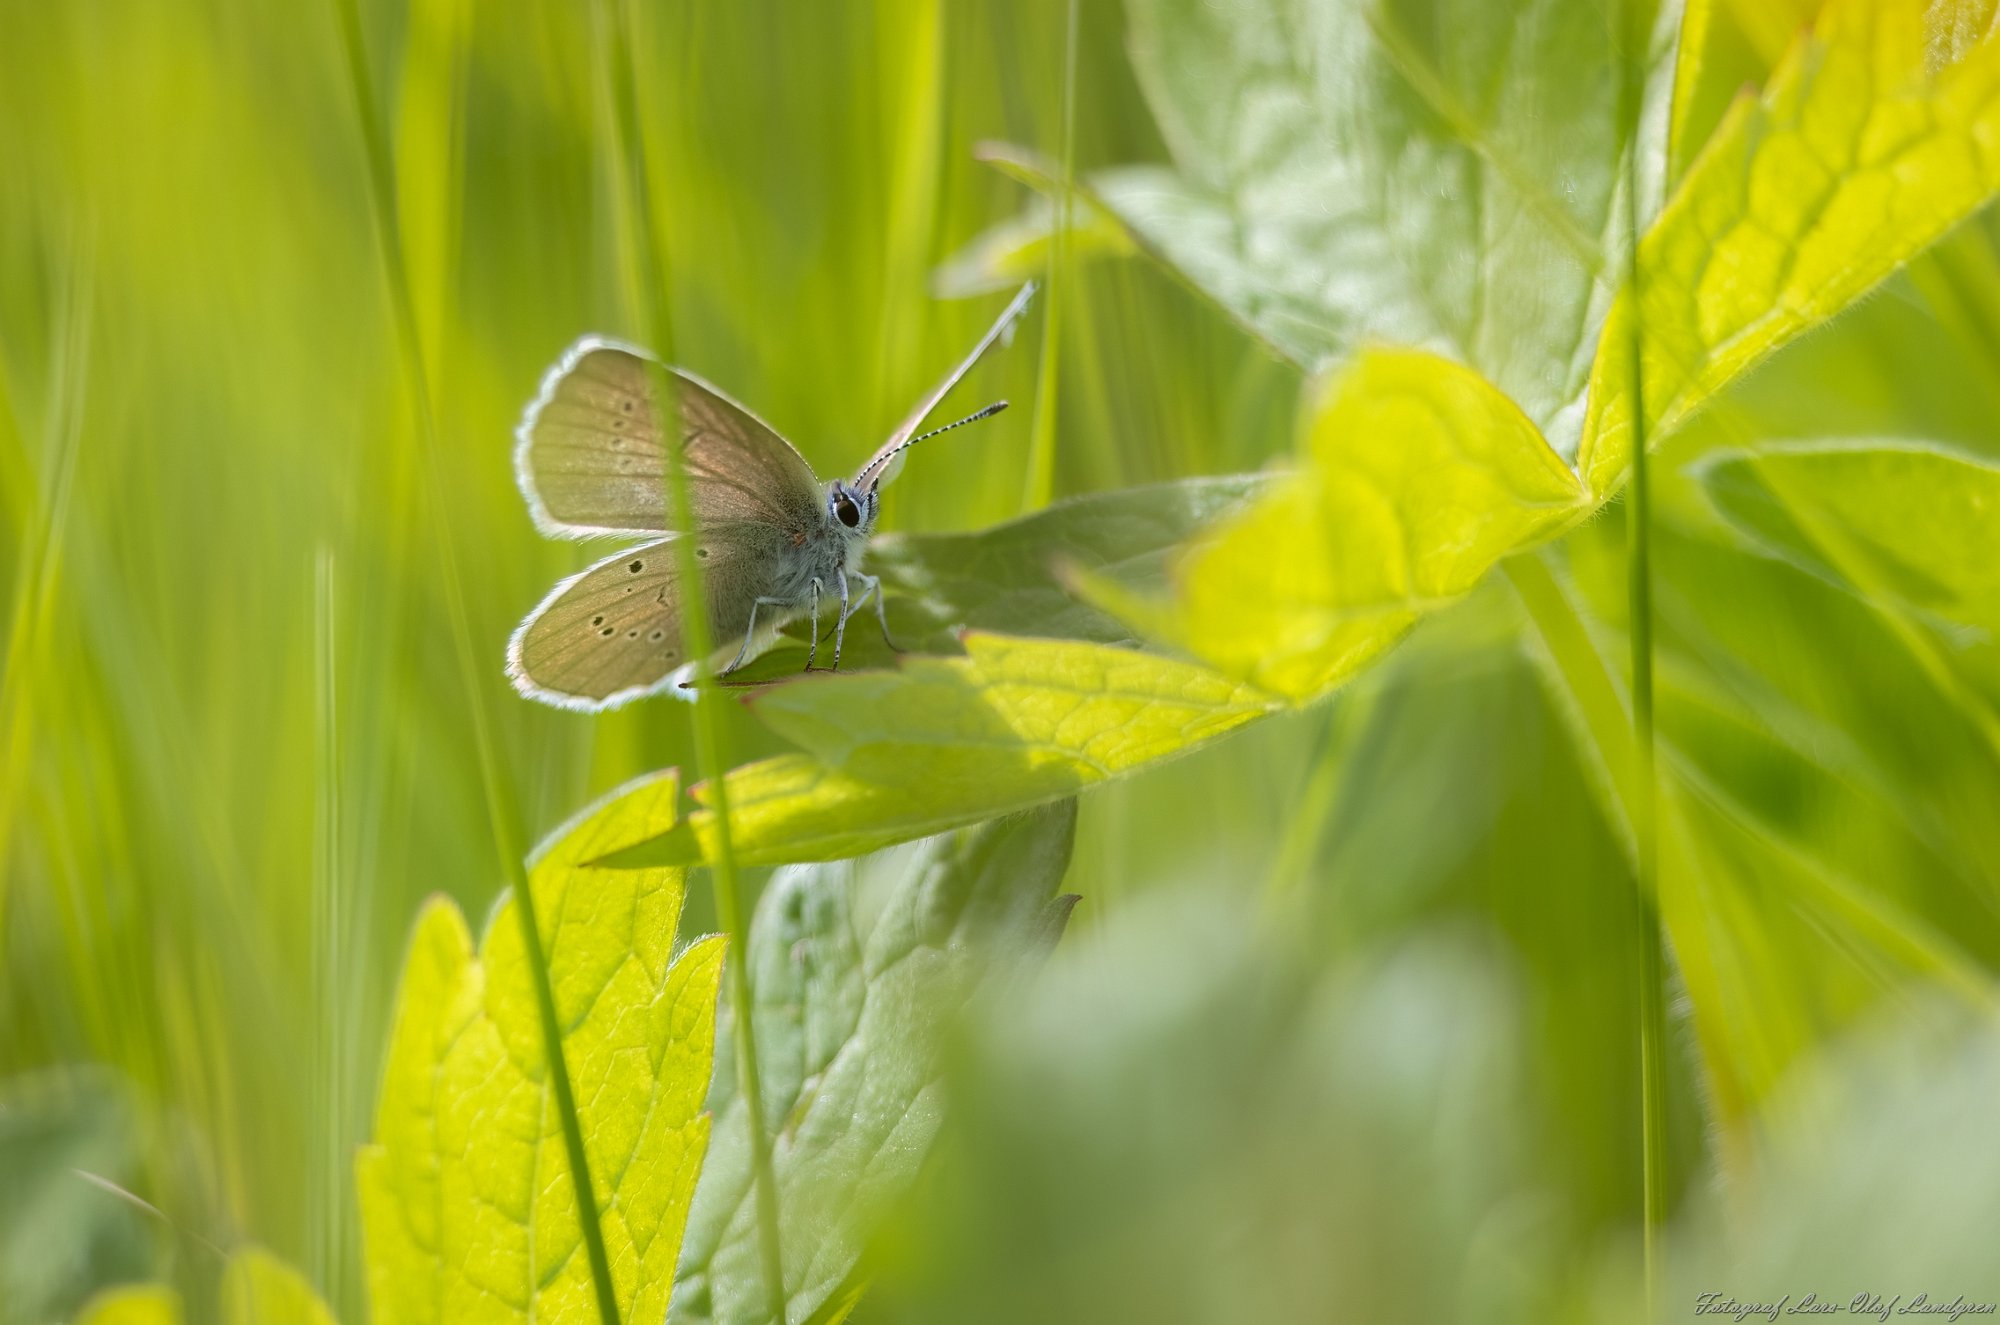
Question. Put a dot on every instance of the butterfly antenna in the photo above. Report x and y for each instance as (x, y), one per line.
(867, 476)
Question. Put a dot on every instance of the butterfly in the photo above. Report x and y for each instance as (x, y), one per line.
(772, 541)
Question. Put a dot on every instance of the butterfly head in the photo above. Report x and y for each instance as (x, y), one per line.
(853, 509)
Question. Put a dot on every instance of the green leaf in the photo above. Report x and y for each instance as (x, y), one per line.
(1010, 578)
(858, 969)
(1418, 476)
(467, 1200)
(1398, 170)
(1818, 847)
(1899, 520)
(1853, 161)
(944, 742)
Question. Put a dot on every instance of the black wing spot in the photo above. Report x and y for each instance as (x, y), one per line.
(608, 631)
(656, 636)
(597, 620)
(636, 567)
(626, 405)
(632, 633)
(701, 552)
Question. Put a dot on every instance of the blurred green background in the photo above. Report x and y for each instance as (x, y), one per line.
(236, 752)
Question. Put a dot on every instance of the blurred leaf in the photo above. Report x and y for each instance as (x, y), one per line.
(257, 1289)
(60, 1234)
(1418, 477)
(1017, 249)
(1440, 176)
(859, 969)
(149, 1304)
(944, 742)
(1880, 1174)
(1191, 1122)
(1852, 162)
(260, 1289)
(1009, 578)
(466, 1194)
(1913, 522)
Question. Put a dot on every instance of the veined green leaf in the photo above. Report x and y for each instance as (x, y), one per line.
(257, 1289)
(1418, 476)
(858, 969)
(1912, 522)
(467, 1200)
(1398, 170)
(944, 742)
(1853, 161)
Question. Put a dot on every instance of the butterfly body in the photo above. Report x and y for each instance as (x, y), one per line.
(772, 541)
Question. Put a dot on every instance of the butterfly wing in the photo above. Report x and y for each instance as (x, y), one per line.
(613, 632)
(886, 462)
(591, 454)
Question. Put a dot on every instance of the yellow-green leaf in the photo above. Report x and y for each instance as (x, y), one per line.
(467, 1197)
(1854, 160)
(144, 1304)
(257, 1289)
(260, 1289)
(1418, 475)
(944, 742)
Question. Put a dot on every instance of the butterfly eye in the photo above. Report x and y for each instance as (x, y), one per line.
(845, 511)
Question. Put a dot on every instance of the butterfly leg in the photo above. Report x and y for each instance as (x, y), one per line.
(750, 632)
(813, 652)
(840, 626)
(872, 584)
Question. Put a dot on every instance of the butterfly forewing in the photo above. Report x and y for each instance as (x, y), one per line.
(591, 457)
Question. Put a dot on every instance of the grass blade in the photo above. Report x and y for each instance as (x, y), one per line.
(650, 299)
(500, 813)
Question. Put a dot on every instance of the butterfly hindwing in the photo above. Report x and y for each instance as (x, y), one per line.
(591, 458)
(613, 632)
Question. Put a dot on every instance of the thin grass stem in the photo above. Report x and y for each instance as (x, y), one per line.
(1643, 804)
(653, 308)
(1042, 445)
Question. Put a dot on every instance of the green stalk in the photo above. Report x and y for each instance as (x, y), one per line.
(38, 573)
(653, 310)
(500, 812)
(1042, 447)
(329, 1098)
(1643, 805)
